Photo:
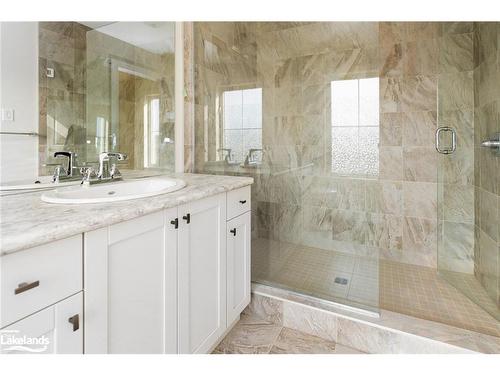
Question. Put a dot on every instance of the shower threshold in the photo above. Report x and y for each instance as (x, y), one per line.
(382, 332)
(281, 292)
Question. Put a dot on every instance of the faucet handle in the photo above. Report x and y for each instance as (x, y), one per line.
(114, 172)
(87, 173)
(58, 171)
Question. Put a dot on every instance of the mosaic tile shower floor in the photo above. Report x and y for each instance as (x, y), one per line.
(406, 289)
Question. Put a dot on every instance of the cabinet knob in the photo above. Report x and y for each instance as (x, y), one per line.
(233, 231)
(175, 223)
(187, 218)
(75, 320)
(243, 201)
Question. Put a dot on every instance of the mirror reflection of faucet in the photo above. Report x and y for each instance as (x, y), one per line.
(108, 170)
(228, 157)
(251, 160)
(72, 170)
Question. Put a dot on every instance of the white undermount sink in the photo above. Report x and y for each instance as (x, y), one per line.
(113, 191)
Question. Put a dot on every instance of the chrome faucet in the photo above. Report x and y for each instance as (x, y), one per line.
(107, 169)
(71, 172)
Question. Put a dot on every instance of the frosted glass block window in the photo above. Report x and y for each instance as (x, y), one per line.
(242, 119)
(355, 126)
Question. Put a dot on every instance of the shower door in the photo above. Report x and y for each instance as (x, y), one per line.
(296, 107)
(468, 169)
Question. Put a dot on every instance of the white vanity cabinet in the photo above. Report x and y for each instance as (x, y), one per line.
(173, 281)
(130, 286)
(202, 274)
(41, 299)
(57, 329)
(238, 234)
(158, 283)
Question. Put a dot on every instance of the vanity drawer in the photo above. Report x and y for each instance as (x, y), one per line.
(38, 277)
(238, 202)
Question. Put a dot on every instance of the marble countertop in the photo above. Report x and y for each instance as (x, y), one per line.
(26, 221)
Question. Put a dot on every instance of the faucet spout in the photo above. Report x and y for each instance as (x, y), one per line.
(107, 171)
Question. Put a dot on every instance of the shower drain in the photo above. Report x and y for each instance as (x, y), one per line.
(341, 280)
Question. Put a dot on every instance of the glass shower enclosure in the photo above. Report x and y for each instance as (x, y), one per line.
(356, 199)
(468, 169)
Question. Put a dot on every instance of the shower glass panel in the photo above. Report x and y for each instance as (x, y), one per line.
(296, 106)
(469, 177)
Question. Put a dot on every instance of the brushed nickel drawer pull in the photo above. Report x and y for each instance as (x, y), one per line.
(75, 320)
(23, 287)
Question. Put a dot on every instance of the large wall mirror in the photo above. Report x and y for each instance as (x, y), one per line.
(86, 87)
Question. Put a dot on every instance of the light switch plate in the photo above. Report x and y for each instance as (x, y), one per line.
(7, 114)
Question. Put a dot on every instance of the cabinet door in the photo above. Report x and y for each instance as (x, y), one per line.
(238, 265)
(57, 329)
(202, 276)
(130, 286)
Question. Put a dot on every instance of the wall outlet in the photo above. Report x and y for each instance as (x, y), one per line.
(7, 114)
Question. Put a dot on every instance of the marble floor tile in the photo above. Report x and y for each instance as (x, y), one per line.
(342, 349)
(249, 339)
(274, 339)
(263, 310)
(291, 341)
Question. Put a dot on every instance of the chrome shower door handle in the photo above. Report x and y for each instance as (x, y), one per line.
(453, 147)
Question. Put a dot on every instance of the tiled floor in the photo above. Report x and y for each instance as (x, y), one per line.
(269, 338)
(407, 289)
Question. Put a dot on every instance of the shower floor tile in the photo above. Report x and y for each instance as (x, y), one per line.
(421, 292)
(372, 283)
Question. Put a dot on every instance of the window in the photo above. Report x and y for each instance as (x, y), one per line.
(242, 120)
(355, 126)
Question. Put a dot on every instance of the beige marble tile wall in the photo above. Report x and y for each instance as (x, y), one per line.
(487, 176)
(62, 97)
(298, 197)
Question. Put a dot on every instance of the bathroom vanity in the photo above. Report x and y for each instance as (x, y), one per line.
(164, 274)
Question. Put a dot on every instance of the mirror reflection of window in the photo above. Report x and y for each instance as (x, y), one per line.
(242, 124)
(151, 131)
(355, 126)
(102, 134)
